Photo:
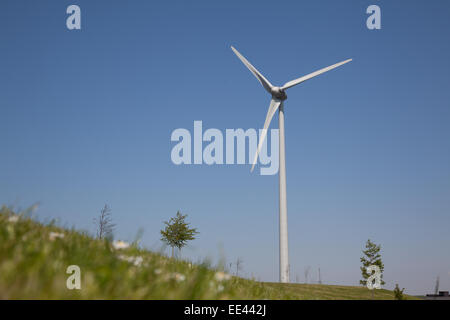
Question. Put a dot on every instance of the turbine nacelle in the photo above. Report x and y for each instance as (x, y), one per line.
(278, 93)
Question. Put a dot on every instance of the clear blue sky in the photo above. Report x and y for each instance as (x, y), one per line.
(86, 118)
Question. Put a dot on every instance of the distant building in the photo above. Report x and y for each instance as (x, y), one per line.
(443, 295)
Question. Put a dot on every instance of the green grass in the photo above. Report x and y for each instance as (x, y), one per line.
(34, 258)
(334, 292)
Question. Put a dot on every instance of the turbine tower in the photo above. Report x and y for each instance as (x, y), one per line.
(276, 103)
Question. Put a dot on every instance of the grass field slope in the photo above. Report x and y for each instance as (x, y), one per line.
(35, 256)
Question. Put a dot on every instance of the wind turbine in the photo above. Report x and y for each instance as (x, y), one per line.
(276, 103)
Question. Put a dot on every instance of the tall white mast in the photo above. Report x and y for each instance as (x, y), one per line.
(284, 252)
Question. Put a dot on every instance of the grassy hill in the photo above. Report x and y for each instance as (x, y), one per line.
(34, 258)
(333, 292)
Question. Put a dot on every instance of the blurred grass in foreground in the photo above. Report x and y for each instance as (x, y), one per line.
(34, 258)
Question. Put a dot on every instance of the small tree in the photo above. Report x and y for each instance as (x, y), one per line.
(371, 257)
(398, 294)
(177, 232)
(105, 227)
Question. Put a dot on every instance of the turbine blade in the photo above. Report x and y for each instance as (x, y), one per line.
(273, 107)
(312, 75)
(265, 83)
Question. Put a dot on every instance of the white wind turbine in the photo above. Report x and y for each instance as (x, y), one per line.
(278, 96)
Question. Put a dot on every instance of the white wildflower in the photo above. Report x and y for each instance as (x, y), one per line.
(122, 257)
(137, 261)
(178, 276)
(13, 219)
(55, 235)
(119, 244)
(220, 288)
(221, 276)
(157, 271)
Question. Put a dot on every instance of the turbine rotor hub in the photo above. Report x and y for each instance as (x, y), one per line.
(278, 93)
